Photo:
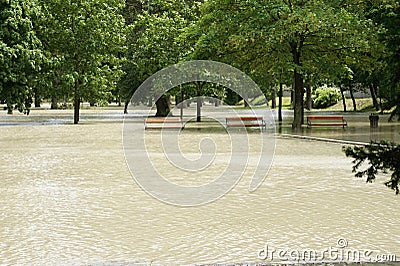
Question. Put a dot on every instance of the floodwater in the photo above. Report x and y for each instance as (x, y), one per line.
(67, 197)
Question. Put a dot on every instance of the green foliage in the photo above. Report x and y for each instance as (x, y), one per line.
(231, 97)
(156, 40)
(324, 97)
(87, 39)
(386, 75)
(282, 39)
(20, 53)
(382, 157)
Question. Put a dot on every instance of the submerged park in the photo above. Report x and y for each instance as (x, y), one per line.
(199, 132)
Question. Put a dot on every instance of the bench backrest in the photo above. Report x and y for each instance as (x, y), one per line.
(333, 117)
(162, 120)
(248, 118)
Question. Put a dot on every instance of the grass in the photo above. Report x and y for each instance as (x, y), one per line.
(363, 105)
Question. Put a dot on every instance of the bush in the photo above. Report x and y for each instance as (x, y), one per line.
(325, 97)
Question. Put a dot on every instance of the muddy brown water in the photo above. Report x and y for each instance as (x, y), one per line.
(67, 197)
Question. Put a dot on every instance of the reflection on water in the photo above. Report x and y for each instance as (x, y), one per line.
(358, 129)
(66, 196)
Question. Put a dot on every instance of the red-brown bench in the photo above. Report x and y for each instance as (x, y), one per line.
(326, 121)
(161, 123)
(248, 121)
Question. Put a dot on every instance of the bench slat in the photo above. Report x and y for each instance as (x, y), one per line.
(245, 121)
(243, 118)
(160, 123)
(325, 117)
(161, 127)
(152, 120)
(326, 121)
(246, 125)
(328, 124)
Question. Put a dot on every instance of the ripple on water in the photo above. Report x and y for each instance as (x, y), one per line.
(67, 197)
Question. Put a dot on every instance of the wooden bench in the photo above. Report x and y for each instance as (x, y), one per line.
(326, 121)
(161, 123)
(248, 121)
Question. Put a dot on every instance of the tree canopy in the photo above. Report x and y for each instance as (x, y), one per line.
(156, 40)
(289, 36)
(88, 39)
(21, 53)
(78, 49)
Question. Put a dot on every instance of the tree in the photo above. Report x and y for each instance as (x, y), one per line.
(156, 40)
(298, 35)
(382, 157)
(88, 38)
(20, 53)
(388, 81)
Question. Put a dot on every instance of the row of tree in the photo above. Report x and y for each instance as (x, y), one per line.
(60, 48)
(97, 50)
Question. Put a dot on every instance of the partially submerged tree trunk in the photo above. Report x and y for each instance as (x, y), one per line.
(76, 102)
(163, 106)
(273, 98)
(199, 85)
(9, 105)
(280, 94)
(37, 97)
(352, 97)
(245, 99)
(198, 109)
(292, 96)
(56, 84)
(181, 103)
(126, 106)
(343, 99)
(373, 95)
(298, 89)
(308, 95)
(54, 102)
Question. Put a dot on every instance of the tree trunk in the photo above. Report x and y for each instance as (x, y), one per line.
(308, 95)
(352, 97)
(343, 99)
(298, 119)
(76, 102)
(374, 98)
(280, 94)
(199, 85)
(54, 102)
(54, 96)
(163, 106)
(9, 105)
(181, 103)
(298, 91)
(245, 99)
(198, 109)
(37, 97)
(126, 106)
(273, 98)
(292, 96)
(65, 101)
